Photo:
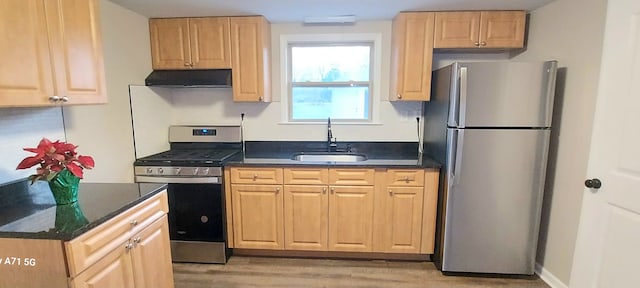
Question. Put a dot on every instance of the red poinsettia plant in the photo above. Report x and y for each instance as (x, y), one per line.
(53, 158)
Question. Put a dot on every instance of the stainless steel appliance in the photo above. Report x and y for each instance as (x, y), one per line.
(489, 125)
(193, 170)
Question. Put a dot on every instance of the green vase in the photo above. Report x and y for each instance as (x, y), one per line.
(69, 218)
(64, 187)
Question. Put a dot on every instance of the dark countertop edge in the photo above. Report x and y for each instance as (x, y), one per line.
(93, 224)
(427, 163)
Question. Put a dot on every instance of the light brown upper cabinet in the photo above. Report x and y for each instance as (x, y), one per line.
(250, 61)
(480, 29)
(190, 43)
(51, 53)
(412, 53)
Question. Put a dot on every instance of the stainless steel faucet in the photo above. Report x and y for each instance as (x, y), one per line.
(332, 143)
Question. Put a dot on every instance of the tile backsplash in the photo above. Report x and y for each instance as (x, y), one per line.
(24, 127)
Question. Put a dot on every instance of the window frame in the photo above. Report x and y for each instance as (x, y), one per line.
(341, 84)
(373, 40)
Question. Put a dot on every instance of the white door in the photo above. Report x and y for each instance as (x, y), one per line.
(608, 246)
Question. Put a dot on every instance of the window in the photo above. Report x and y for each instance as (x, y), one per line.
(330, 80)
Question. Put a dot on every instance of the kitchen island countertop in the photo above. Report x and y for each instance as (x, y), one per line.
(29, 211)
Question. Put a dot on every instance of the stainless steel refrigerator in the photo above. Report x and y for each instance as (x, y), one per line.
(489, 125)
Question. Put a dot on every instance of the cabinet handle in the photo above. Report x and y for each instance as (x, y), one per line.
(187, 64)
(483, 43)
(406, 179)
(137, 240)
(54, 98)
(390, 192)
(277, 190)
(134, 223)
(255, 176)
(399, 96)
(476, 44)
(324, 190)
(128, 247)
(333, 190)
(64, 99)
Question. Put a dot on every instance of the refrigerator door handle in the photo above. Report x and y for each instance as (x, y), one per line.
(458, 162)
(462, 106)
(454, 94)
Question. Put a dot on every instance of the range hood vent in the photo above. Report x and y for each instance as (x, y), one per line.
(190, 78)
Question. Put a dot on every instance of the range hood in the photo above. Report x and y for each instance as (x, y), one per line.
(190, 78)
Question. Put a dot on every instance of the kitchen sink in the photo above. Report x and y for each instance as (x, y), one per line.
(328, 157)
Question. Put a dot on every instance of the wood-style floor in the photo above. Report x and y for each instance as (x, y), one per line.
(290, 272)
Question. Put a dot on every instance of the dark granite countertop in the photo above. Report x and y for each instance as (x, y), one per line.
(29, 211)
(379, 154)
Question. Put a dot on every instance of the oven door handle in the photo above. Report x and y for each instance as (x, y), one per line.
(178, 180)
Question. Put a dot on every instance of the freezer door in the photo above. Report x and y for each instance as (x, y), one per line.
(503, 94)
(495, 181)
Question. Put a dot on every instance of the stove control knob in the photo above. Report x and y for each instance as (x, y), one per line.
(160, 171)
(205, 171)
(178, 171)
(149, 171)
(195, 171)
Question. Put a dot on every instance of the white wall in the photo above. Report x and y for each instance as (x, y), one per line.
(104, 131)
(570, 31)
(25, 127)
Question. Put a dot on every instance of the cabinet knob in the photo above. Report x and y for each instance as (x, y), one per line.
(64, 99)
(390, 192)
(54, 98)
(333, 190)
(483, 43)
(137, 240)
(399, 96)
(187, 64)
(324, 190)
(277, 190)
(255, 176)
(260, 99)
(406, 179)
(134, 222)
(128, 247)
(476, 44)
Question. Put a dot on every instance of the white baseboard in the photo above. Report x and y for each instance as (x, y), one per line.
(549, 278)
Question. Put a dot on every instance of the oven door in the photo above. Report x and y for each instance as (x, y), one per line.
(196, 212)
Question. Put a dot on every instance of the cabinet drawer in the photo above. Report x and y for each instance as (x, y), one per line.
(351, 176)
(256, 175)
(405, 177)
(93, 245)
(306, 176)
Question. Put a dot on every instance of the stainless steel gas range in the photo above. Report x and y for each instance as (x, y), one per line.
(193, 170)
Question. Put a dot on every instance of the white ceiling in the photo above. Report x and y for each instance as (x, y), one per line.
(278, 11)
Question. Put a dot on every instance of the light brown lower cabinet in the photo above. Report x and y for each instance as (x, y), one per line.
(334, 209)
(130, 250)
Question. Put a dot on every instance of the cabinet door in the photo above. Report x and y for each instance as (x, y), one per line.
(257, 216)
(431, 178)
(457, 30)
(26, 78)
(170, 46)
(76, 46)
(402, 219)
(412, 54)
(305, 217)
(114, 270)
(502, 29)
(210, 47)
(152, 256)
(250, 46)
(350, 218)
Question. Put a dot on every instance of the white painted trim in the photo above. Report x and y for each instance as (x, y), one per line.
(549, 278)
(376, 38)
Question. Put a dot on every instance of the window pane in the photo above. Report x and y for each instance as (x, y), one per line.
(330, 63)
(349, 103)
